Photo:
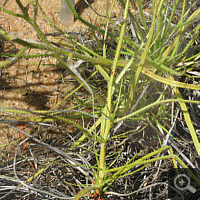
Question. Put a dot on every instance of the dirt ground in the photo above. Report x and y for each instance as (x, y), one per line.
(26, 84)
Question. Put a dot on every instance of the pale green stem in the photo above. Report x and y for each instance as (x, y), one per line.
(137, 112)
(109, 99)
(143, 58)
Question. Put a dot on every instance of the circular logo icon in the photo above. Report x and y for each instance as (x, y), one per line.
(183, 183)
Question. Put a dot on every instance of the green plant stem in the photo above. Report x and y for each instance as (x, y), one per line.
(171, 82)
(106, 30)
(183, 27)
(143, 58)
(32, 21)
(65, 52)
(187, 119)
(12, 60)
(102, 165)
(84, 191)
(137, 112)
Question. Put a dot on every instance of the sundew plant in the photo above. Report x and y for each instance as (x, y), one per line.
(136, 79)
